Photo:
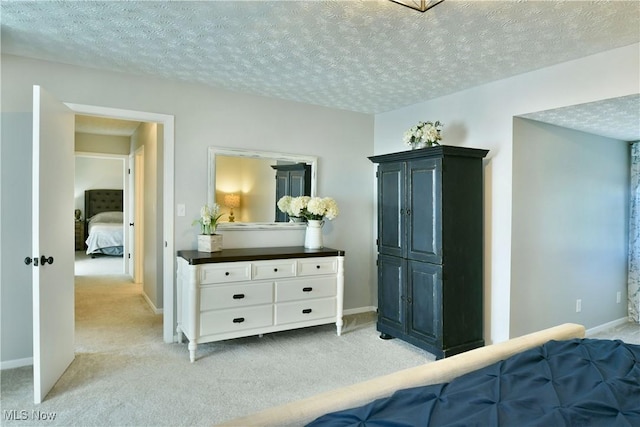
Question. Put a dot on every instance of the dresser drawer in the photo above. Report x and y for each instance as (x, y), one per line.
(274, 269)
(300, 311)
(223, 273)
(304, 289)
(317, 266)
(236, 319)
(214, 297)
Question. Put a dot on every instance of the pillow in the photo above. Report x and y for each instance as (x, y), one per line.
(107, 217)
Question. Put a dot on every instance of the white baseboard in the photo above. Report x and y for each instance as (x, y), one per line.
(359, 310)
(16, 363)
(606, 326)
(153, 307)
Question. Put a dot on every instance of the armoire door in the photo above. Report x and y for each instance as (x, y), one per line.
(424, 210)
(391, 209)
(391, 293)
(424, 297)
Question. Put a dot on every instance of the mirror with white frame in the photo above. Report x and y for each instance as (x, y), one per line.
(243, 183)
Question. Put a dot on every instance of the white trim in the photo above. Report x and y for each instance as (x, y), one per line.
(359, 310)
(168, 276)
(16, 363)
(252, 226)
(100, 155)
(153, 308)
(605, 326)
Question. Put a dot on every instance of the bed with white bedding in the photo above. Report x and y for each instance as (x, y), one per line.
(105, 222)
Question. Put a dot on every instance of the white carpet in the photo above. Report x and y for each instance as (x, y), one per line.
(124, 375)
(101, 265)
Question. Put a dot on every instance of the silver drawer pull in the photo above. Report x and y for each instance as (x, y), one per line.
(307, 289)
(238, 320)
(238, 296)
(306, 311)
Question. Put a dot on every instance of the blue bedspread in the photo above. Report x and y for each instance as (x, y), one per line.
(562, 383)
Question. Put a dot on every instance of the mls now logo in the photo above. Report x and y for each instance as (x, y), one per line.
(23, 415)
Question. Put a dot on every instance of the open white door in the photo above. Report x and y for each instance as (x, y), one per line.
(53, 241)
(130, 252)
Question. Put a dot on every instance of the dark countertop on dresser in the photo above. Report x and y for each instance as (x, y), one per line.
(256, 254)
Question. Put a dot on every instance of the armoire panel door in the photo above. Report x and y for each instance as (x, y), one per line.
(391, 200)
(425, 207)
(300, 183)
(391, 292)
(425, 301)
(282, 189)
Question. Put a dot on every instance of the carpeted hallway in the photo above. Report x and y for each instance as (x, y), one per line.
(124, 375)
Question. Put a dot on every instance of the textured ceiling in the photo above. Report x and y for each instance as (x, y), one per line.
(595, 117)
(366, 56)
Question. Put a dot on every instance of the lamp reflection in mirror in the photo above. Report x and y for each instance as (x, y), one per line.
(232, 201)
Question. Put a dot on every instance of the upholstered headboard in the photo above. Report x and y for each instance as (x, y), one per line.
(96, 201)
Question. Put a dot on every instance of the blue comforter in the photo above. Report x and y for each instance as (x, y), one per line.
(562, 383)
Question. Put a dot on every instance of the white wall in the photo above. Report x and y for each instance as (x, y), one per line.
(106, 144)
(95, 173)
(252, 179)
(16, 320)
(482, 117)
(203, 117)
(569, 227)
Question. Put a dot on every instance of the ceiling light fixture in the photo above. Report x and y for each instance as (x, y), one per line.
(419, 5)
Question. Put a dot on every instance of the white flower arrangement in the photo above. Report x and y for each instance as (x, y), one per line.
(424, 132)
(209, 216)
(314, 208)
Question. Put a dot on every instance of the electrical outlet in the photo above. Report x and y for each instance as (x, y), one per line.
(181, 210)
(578, 305)
(618, 297)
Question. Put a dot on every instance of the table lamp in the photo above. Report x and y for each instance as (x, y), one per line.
(232, 201)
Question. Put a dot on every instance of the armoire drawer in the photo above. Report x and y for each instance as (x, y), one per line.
(317, 266)
(305, 289)
(274, 269)
(236, 319)
(215, 297)
(223, 273)
(300, 311)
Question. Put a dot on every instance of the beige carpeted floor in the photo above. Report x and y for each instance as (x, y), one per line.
(124, 375)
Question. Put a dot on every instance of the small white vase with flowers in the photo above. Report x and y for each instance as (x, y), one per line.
(208, 240)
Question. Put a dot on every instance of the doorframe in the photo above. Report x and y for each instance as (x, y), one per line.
(168, 259)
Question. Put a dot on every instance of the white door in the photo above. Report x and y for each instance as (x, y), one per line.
(130, 253)
(53, 241)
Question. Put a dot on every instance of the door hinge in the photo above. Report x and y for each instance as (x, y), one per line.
(129, 255)
(129, 171)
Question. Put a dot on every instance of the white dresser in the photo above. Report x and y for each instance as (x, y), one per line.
(241, 292)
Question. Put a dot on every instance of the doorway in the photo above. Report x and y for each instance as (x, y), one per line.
(100, 171)
(165, 186)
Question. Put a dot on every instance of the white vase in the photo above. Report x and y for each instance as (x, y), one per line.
(313, 234)
(418, 145)
(209, 242)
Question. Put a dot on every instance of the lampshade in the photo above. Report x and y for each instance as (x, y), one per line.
(232, 200)
(420, 5)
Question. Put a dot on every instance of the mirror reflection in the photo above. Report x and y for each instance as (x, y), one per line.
(248, 184)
